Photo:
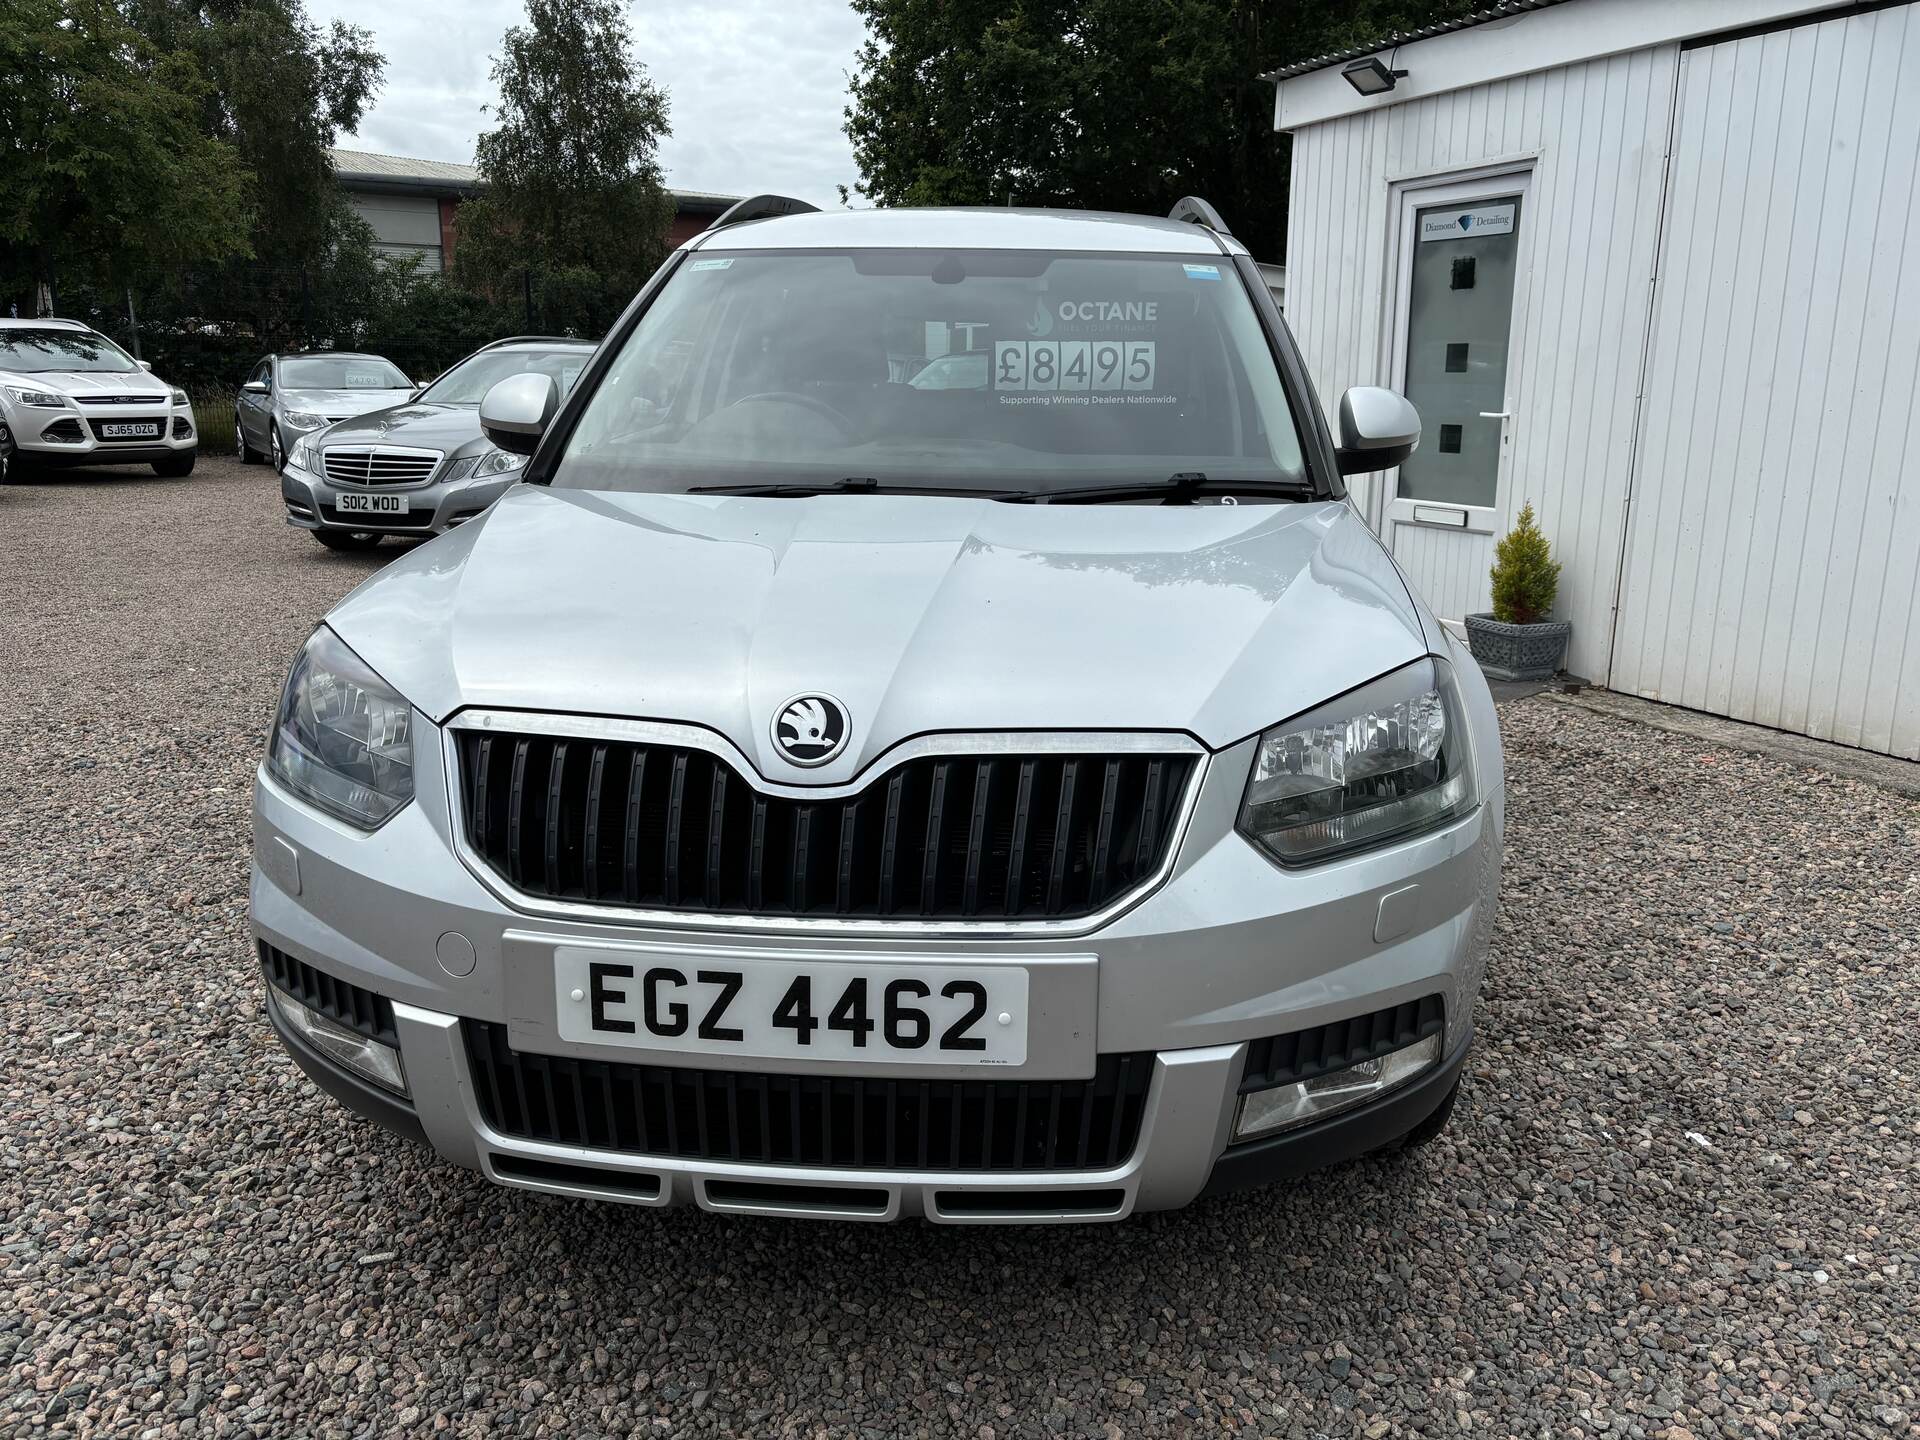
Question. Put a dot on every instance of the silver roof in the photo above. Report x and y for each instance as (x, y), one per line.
(986, 228)
(10, 322)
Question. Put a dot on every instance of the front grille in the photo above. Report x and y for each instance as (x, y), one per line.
(412, 520)
(378, 466)
(121, 399)
(676, 828)
(878, 1124)
(359, 1010)
(1286, 1059)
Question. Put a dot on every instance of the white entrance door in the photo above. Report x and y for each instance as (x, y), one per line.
(1457, 312)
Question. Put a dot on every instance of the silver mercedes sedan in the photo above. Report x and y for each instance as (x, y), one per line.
(422, 467)
(1033, 797)
(285, 397)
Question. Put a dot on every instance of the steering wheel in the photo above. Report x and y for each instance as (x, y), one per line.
(805, 402)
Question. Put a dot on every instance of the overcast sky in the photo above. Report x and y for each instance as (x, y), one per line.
(757, 86)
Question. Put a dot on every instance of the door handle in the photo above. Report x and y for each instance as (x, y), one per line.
(1496, 414)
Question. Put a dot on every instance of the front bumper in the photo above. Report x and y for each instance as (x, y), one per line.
(313, 503)
(50, 438)
(1228, 951)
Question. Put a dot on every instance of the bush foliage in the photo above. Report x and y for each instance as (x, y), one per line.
(1525, 575)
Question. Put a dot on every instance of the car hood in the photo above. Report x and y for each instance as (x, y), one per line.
(432, 426)
(86, 382)
(341, 402)
(918, 614)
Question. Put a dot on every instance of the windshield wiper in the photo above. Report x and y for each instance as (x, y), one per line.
(852, 485)
(1184, 487)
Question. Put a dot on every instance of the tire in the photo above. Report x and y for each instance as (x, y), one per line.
(1428, 1130)
(347, 539)
(176, 467)
(248, 455)
(278, 455)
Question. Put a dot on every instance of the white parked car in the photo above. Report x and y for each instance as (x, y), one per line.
(70, 396)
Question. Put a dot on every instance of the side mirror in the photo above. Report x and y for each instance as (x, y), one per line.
(145, 364)
(1378, 429)
(515, 413)
(255, 387)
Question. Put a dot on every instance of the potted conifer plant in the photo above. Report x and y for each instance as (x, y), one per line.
(1517, 641)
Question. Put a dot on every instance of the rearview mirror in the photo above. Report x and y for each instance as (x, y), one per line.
(1378, 429)
(255, 387)
(515, 413)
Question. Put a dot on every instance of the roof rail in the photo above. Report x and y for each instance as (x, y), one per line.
(543, 339)
(1199, 212)
(759, 207)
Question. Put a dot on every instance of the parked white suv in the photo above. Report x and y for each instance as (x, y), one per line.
(70, 396)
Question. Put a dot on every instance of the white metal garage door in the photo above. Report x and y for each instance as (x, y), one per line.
(1772, 562)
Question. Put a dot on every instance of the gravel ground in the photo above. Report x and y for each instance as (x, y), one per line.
(1676, 1201)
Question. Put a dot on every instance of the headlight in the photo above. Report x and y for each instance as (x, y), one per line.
(181, 399)
(499, 462)
(303, 457)
(1386, 761)
(344, 739)
(492, 462)
(43, 398)
(304, 420)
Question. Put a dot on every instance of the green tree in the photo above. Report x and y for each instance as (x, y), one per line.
(106, 170)
(574, 193)
(1102, 104)
(280, 90)
(1525, 575)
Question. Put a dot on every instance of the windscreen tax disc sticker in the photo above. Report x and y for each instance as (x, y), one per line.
(1202, 272)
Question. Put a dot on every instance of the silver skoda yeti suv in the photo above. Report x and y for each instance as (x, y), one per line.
(927, 736)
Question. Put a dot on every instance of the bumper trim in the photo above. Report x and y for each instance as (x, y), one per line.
(1340, 1137)
(388, 1111)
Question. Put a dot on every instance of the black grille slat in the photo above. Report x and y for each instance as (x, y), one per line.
(517, 811)
(977, 836)
(851, 1122)
(931, 847)
(957, 837)
(1062, 840)
(590, 856)
(630, 855)
(676, 818)
(556, 785)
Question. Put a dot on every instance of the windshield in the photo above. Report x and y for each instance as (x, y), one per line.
(975, 370)
(32, 352)
(341, 372)
(468, 382)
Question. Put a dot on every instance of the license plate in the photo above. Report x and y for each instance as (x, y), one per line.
(371, 504)
(794, 1009)
(131, 430)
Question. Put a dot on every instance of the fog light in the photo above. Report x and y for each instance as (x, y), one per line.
(1286, 1107)
(369, 1058)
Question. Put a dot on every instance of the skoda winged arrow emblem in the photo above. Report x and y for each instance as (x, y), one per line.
(811, 729)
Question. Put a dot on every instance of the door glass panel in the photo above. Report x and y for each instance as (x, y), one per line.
(1459, 319)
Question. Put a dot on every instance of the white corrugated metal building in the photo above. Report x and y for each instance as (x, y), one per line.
(1653, 265)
